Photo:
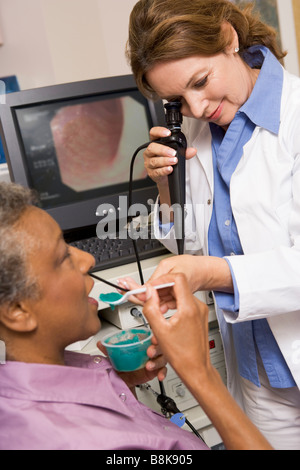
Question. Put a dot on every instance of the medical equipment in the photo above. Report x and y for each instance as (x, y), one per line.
(58, 137)
(169, 407)
(176, 179)
(95, 276)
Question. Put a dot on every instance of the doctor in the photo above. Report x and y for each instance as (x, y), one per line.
(242, 123)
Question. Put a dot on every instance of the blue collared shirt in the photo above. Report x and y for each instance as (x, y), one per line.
(261, 109)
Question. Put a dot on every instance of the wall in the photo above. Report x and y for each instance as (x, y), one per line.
(288, 34)
(296, 6)
(56, 41)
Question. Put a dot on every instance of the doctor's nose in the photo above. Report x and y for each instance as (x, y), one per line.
(198, 107)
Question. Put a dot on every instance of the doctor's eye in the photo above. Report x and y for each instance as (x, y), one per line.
(201, 83)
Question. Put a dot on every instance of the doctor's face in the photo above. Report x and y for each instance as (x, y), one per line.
(210, 88)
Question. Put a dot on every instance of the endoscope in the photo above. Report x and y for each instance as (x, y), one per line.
(176, 179)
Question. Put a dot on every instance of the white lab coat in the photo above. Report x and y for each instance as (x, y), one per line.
(265, 197)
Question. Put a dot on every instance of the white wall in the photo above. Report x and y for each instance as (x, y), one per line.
(288, 35)
(54, 41)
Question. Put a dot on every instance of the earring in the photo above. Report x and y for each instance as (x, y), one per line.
(236, 50)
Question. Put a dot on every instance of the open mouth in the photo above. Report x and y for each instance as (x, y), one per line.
(92, 301)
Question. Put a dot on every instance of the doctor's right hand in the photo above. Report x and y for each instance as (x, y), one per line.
(159, 159)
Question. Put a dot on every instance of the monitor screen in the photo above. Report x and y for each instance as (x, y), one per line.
(73, 144)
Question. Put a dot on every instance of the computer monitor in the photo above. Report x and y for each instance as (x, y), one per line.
(73, 144)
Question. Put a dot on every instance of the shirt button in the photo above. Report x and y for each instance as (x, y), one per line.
(123, 396)
(227, 223)
(209, 202)
(97, 359)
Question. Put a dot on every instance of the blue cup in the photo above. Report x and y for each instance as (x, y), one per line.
(127, 349)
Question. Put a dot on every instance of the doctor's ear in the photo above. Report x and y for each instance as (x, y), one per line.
(233, 45)
(17, 317)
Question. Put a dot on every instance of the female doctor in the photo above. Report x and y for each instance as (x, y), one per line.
(242, 121)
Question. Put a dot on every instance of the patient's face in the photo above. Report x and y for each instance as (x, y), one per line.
(64, 310)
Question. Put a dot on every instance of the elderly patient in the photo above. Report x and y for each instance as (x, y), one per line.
(49, 398)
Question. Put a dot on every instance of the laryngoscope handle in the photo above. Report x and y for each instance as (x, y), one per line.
(176, 179)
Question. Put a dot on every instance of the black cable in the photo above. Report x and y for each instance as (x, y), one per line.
(169, 405)
(162, 388)
(128, 221)
(129, 218)
(107, 282)
(138, 261)
(131, 170)
(165, 402)
(189, 424)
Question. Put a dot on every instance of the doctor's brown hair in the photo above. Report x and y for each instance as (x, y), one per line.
(165, 30)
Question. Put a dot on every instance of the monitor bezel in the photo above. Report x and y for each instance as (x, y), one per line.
(77, 215)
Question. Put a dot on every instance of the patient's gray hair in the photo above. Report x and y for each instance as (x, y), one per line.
(16, 281)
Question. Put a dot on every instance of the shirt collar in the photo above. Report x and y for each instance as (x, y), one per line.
(264, 105)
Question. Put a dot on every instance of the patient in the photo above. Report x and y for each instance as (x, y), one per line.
(50, 399)
(53, 399)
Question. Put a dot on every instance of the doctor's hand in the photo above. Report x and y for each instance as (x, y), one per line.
(159, 159)
(184, 341)
(206, 273)
(183, 337)
(167, 300)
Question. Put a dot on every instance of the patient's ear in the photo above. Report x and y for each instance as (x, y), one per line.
(18, 317)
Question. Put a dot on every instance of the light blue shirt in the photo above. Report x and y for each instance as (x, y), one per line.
(262, 109)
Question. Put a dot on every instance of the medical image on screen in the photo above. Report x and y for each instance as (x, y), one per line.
(77, 149)
(91, 142)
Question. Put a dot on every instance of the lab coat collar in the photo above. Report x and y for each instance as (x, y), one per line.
(264, 105)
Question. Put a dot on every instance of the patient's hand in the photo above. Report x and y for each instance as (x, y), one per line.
(155, 367)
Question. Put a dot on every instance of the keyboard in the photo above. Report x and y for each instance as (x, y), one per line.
(110, 253)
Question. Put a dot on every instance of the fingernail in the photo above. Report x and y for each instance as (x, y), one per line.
(150, 365)
(123, 284)
(172, 153)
